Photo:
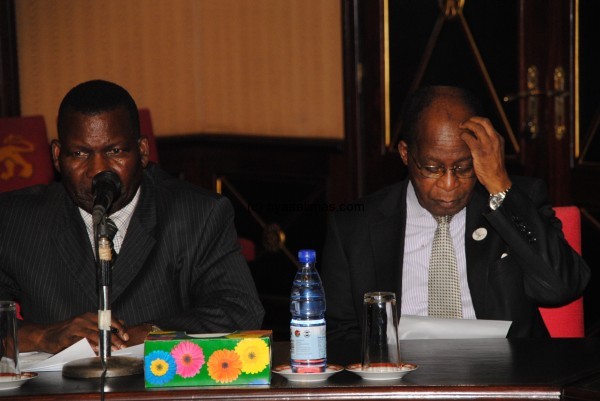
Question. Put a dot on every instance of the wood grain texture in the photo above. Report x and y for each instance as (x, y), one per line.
(261, 67)
(491, 369)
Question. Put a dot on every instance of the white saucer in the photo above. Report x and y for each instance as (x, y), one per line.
(384, 373)
(286, 371)
(10, 380)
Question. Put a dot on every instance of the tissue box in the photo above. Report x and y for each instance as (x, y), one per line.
(174, 358)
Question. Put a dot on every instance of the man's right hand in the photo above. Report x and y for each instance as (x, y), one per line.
(487, 149)
(53, 338)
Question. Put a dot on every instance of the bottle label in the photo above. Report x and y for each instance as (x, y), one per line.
(308, 342)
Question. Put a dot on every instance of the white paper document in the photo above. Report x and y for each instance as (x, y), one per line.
(424, 327)
(43, 362)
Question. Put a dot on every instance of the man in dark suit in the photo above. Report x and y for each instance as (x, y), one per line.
(511, 255)
(179, 266)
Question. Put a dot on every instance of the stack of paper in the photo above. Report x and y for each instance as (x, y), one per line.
(43, 362)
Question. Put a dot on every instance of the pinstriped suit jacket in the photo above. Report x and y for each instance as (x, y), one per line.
(179, 267)
(522, 263)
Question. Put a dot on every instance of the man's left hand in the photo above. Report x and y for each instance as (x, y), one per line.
(136, 334)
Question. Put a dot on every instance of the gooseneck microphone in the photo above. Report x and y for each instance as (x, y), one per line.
(106, 187)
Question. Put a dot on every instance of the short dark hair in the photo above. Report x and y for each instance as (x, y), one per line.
(420, 100)
(95, 97)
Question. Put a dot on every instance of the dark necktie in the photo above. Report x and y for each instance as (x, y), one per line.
(111, 230)
(444, 298)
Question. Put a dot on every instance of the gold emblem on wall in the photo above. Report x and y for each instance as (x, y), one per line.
(12, 162)
(451, 8)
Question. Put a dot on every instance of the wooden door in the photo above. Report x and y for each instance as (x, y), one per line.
(559, 46)
(546, 93)
(585, 146)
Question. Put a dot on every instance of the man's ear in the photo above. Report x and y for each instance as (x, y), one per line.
(403, 150)
(144, 150)
(55, 146)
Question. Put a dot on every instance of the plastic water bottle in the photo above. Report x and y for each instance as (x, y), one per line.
(307, 327)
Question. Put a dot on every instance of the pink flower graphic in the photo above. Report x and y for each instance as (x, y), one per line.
(189, 358)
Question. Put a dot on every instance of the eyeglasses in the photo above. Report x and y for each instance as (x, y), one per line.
(436, 172)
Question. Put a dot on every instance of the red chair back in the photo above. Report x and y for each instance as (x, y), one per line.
(567, 320)
(247, 248)
(24, 153)
(147, 130)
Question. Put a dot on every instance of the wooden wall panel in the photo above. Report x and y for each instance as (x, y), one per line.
(260, 67)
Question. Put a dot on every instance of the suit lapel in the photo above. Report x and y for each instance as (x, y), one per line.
(477, 251)
(73, 245)
(138, 242)
(387, 236)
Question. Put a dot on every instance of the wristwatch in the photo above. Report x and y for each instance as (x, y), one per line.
(497, 199)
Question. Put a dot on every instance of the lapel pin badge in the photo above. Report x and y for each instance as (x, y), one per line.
(479, 234)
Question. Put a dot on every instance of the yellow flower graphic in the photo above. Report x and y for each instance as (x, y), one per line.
(159, 367)
(224, 366)
(254, 354)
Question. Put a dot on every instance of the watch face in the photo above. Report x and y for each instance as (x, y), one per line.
(496, 201)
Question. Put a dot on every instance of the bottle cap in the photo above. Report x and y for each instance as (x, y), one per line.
(307, 255)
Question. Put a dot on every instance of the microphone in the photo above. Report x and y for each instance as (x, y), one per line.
(106, 187)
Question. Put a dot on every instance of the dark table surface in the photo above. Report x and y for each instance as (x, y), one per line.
(447, 369)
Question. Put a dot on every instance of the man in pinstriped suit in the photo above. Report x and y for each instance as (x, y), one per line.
(179, 266)
(511, 253)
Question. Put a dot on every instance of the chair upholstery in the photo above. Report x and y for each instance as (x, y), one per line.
(567, 321)
(24, 153)
(147, 130)
(247, 248)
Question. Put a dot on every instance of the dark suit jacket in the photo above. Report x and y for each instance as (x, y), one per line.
(179, 267)
(364, 252)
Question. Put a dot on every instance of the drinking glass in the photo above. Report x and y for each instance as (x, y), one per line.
(380, 348)
(9, 345)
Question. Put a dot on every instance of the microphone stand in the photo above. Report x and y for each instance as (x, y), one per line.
(104, 262)
(103, 365)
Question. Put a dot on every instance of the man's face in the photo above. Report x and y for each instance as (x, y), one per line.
(94, 143)
(439, 144)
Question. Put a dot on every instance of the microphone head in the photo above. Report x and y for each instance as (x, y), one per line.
(106, 181)
(106, 188)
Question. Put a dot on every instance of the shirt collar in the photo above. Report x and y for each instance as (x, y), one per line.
(121, 217)
(413, 207)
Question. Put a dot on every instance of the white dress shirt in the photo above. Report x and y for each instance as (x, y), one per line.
(418, 239)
